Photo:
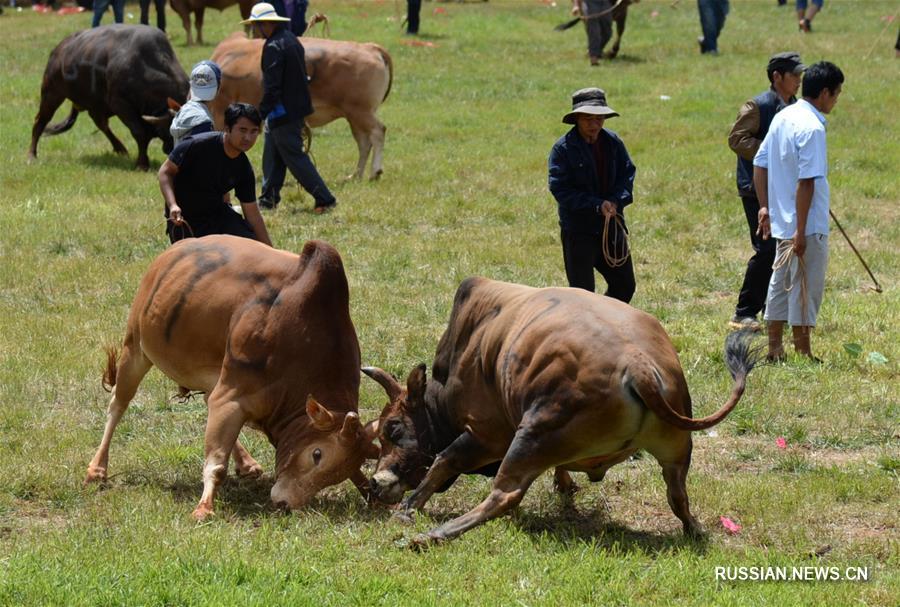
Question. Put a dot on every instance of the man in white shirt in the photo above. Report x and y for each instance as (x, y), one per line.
(790, 173)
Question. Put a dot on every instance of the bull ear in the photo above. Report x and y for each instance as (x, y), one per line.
(173, 105)
(386, 380)
(351, 427)
(415, 386)
(371, 433)
(321, 418)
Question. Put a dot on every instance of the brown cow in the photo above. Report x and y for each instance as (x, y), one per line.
(265, 334)
(127, 71)
(184, 8)
(537, 378)
(347, 80)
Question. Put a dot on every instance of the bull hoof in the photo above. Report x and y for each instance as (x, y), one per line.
(694, 531)
(424, 541)
(253, 471)
(376, 175)
(202, 513)
(95, 475)
(31, 157)
(142, 167)
(403, 516)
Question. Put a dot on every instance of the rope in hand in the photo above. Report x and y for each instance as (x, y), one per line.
(175, 226)
(784, 254)
(602, 13)
(619, 254)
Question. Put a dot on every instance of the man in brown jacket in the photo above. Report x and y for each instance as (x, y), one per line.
(750, 128)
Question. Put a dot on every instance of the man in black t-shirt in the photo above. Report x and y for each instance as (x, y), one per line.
(202, 169)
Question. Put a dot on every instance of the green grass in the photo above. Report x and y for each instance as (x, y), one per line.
(470, 123)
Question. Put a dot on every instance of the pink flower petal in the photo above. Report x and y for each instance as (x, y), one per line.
(730, 526)
(781, 442)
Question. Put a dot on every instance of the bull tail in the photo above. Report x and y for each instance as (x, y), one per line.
(65, 125)
(740, 358)
(389, 63)
(109, 374)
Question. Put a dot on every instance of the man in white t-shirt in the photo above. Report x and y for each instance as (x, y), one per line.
(790, 173)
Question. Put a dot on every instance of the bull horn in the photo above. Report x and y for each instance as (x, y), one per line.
(173, 105)
(387, 381)
(351, 426)
(157, 120)
(321, 418)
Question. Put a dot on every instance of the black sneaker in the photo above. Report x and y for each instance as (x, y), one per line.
(265, 203)
(324, 208)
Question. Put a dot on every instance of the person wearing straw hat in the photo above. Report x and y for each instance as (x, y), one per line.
(790, 173)
(285, 105)
(591, 176)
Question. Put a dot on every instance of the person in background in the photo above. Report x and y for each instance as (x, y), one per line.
(202, 169)
(790, 174)
(100, 7)
(285, 105)
(194, 116)
(784, 71)
(712, 20)
(591, 177)
(160, 13)
(295, 10)
(806, 11)
(413, 8)
(599, 28)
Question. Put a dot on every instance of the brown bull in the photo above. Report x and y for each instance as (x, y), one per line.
(347, 80)
(184, 8)
(265, 334)
(535, 379)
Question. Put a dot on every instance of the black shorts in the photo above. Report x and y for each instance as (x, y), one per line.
(227, 222)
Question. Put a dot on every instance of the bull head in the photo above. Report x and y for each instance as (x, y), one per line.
(403, 429)
(325, 448)
(162, 122)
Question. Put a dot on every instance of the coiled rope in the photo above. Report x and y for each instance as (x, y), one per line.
(619, 254)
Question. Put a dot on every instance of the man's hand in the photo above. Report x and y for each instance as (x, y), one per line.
(608, 209)
(765, 226)
(799, 244)
(175, 215)
(576, 8)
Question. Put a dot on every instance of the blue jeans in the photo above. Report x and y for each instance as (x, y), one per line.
(283, 150)
(100, 7)
(712, 20)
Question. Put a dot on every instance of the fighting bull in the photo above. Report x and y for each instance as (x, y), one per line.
(527, 379)
(127, 71)
(346, 80)
(266, 335)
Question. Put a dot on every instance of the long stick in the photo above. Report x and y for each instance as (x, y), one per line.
(564, 26)
(861, 260)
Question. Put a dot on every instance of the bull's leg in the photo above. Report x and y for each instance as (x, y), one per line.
(186, 24)
(528, 456)
(620, 29)
(378, 136)
(102, 122)
(140, 130)
(130, 370)
(464, 454)
(563, 483)
(226, 417)
(198, 23)
(362, 134)
(675, 461)
(244, 464)
(51, 99)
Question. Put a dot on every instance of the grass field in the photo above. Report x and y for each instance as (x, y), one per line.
(470, 122)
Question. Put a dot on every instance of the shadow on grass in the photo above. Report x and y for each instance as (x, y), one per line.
(111, 160)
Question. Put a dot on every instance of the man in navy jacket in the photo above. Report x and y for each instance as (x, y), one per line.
(591, 178)
(285, 105)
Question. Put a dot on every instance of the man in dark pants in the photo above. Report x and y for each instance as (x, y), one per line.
(712, 20)
(202, 169)
(591, 178)
(285, 105)
(160, 13)
(413, 7)
(749, 130)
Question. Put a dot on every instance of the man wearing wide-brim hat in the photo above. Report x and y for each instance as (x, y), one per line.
(285, 105)
(591, 178)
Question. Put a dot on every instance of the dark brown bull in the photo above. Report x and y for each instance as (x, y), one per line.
(536, 378)
(265, 334)
(184, 8)
(619, 10)
(127, 71)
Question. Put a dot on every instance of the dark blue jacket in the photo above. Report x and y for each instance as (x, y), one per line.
(575, 184)
(286, 95)
(769, 104)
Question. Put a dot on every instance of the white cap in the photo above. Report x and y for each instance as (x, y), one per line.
(205, 79)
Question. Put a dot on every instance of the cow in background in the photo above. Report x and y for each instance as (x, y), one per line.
(127, 71)
(534, 379)
(347, 80)
(184, 8)
(266, 335)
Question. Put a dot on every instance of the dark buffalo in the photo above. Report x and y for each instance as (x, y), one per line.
(532, 379)
(127, 71)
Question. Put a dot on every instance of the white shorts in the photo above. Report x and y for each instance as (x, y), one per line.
(795, 289)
